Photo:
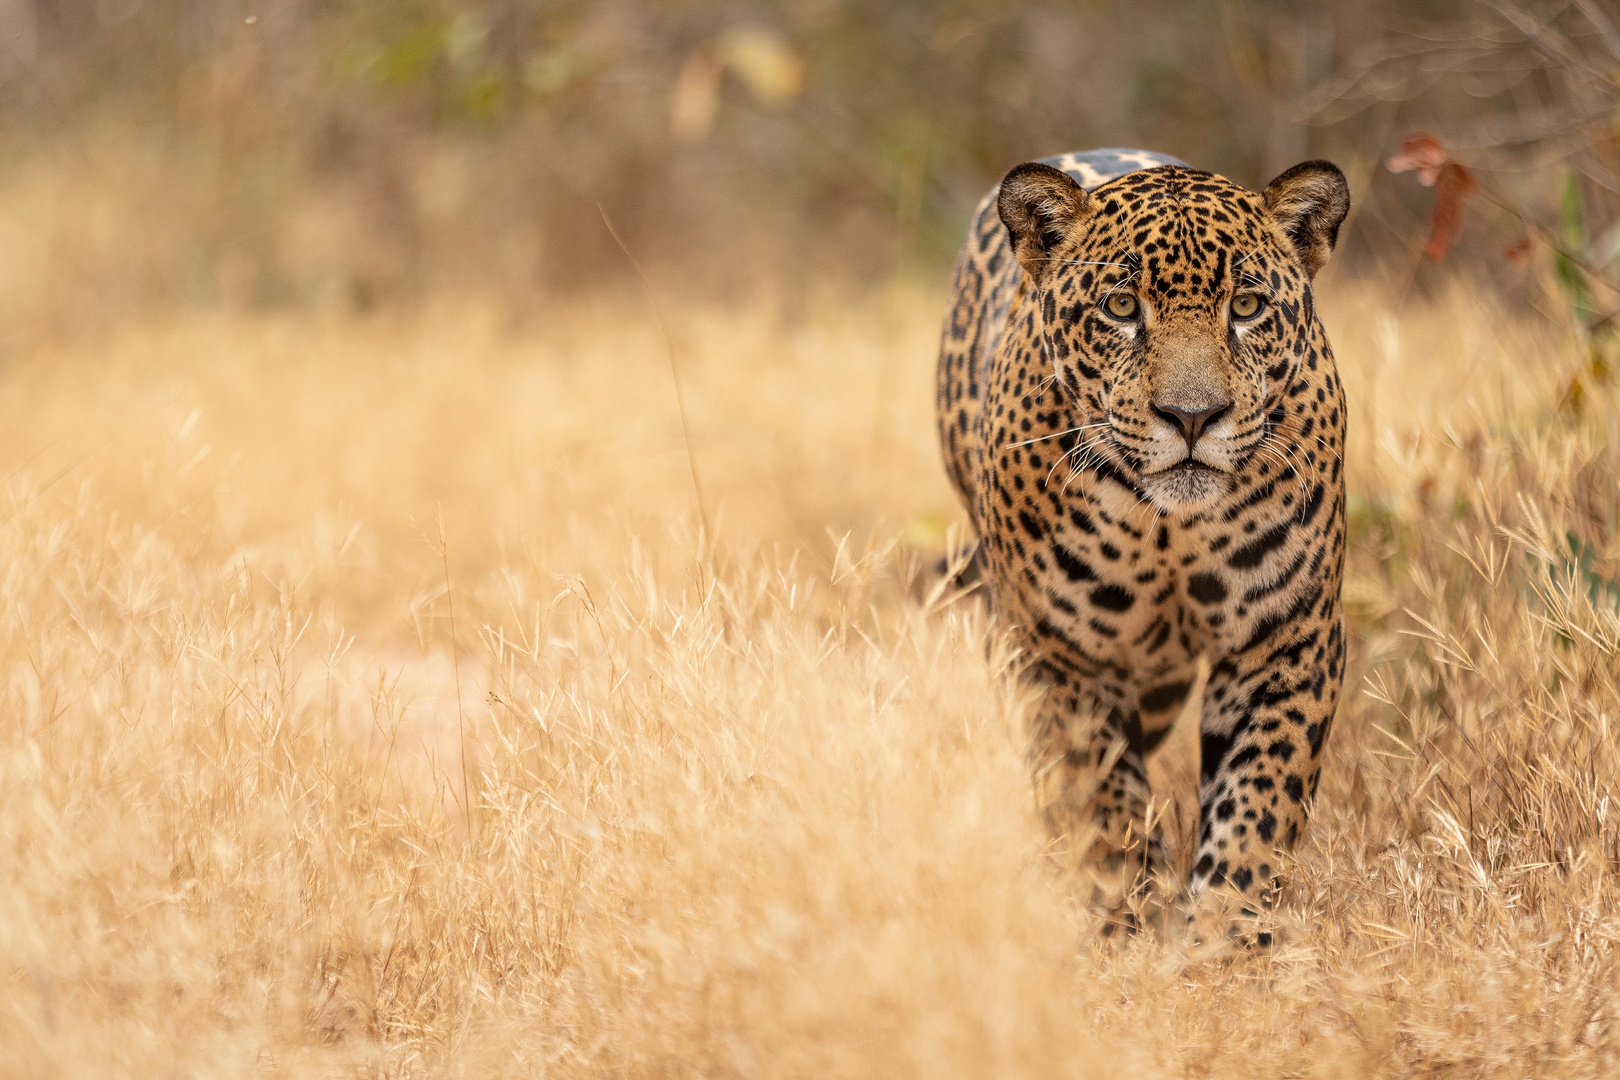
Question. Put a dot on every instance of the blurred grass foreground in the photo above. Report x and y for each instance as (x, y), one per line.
(398, 681)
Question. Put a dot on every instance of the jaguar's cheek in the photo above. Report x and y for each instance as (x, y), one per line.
(1106, 398)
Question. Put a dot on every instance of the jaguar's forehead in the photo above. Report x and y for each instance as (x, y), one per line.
(1175, 230)
(1172, 195)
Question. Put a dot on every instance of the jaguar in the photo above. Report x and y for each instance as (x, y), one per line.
(1139, 410)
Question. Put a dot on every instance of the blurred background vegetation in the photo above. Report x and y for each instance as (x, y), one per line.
(357, 154)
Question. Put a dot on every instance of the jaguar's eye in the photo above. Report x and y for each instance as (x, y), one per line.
(1121, 306)
(1246, 305)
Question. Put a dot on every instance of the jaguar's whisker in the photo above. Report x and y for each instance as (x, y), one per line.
(1083, 452)
(1056, 434)
(1299, 474)
(1287, 428)
(1089, 460)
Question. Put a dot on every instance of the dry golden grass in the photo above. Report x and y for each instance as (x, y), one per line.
(372, 706)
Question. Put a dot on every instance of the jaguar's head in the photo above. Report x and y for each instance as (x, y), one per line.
(1175, 310)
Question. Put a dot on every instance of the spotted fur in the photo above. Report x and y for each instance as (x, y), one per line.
(1160, 485)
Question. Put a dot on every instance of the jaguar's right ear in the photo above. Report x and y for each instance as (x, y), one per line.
(1040, 206)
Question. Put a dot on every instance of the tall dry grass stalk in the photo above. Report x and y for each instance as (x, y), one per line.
(748, 810)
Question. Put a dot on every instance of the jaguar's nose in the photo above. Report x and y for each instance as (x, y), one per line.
(1191, 421)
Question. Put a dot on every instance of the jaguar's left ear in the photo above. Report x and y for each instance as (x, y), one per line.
(1309, 202)
(1040, 206)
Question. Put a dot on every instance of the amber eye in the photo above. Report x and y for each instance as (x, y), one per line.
(1122, 306)
(1245, 305)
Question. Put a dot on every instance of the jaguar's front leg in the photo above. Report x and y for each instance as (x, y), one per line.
(1092, 786)
(1265, 720)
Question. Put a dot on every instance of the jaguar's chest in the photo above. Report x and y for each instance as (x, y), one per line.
(1082, 561)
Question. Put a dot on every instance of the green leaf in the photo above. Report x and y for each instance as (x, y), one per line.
(1572, 233)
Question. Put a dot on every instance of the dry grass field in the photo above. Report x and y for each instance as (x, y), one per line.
(375, 704)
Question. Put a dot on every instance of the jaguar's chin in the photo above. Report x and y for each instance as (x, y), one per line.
(1189, 485)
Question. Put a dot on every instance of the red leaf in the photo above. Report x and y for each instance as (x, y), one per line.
(1422, 152)
(1453, 184)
